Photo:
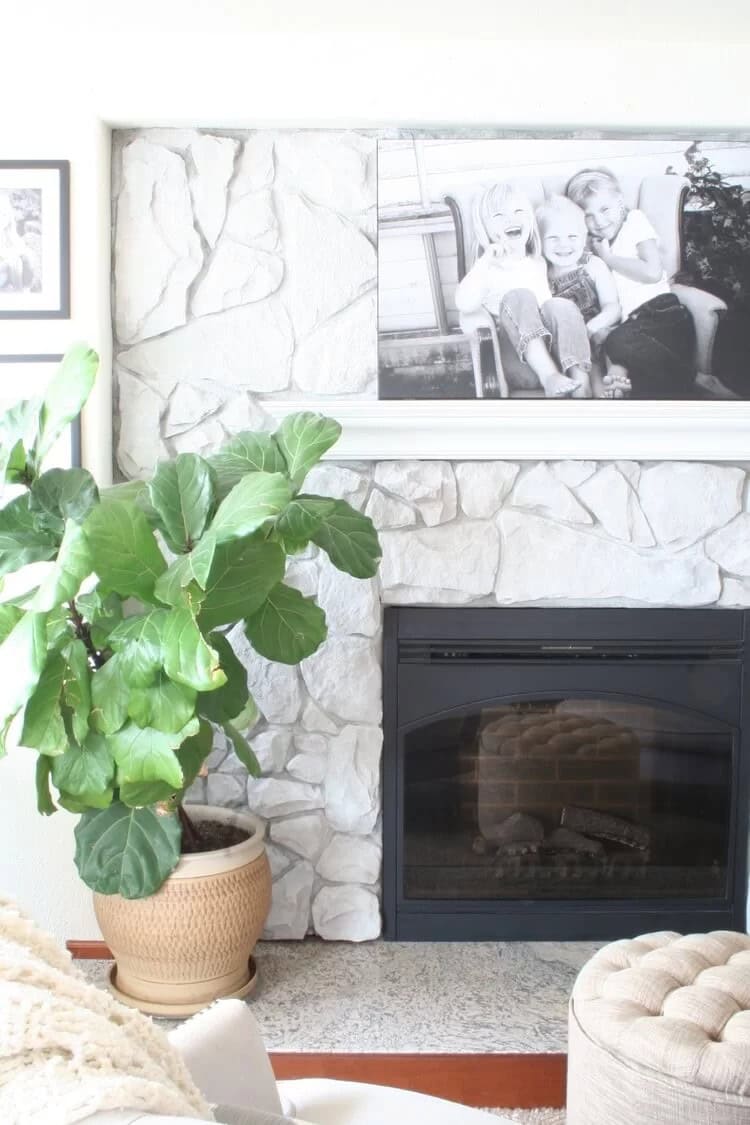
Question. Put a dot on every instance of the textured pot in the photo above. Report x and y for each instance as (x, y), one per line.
(191, 942)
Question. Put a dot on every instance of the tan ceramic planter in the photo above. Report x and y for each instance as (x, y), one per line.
(191, 942)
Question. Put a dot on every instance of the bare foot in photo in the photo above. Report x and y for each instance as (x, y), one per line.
(714, 386)
(559, 386)
(581, 376)
(617, 383)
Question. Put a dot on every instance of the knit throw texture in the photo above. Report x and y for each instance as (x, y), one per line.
(69, 1049)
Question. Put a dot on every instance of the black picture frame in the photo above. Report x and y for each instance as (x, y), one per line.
(42, 359)
(35, 282)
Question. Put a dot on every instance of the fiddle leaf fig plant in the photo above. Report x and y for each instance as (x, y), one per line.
(115, 604)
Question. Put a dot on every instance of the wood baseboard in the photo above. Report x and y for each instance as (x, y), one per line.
(89, 950)
(523, 1081)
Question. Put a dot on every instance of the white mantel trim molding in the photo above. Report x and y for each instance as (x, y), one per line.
(532, 429)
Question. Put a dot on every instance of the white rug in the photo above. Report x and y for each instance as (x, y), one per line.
(532, 1116)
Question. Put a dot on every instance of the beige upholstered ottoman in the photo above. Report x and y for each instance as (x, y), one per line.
(659, 1033)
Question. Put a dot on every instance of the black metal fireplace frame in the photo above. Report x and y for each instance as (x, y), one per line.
(595, 637)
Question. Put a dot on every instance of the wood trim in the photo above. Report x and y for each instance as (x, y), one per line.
(89, 950)
(523, 1081)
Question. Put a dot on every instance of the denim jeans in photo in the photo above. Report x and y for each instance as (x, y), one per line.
(558, 320)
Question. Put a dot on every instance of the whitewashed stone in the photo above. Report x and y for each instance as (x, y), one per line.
(272, 748)
(279, 860)
(226, 789)
(273, 796)
(429, 485)
(213, 165)
(343, 677)
(458, 558)
(313, 743)
(190, 404)
(217, 756)
(573, 473)
(735, 592)
(139, 446)
(730, 547)
(313, 719)
(306, 835)
(544, 561)
(484, 485)
(346, 913)
(631, 470)
(289, 917)
(157, 250)
(340, 356)
(542, 491)
(424, 595)
(302, 574)
(251, 221)
(236, 275)
(352, 784)
(329, 263)
(308, 767)
(243, 412)
(351, 605)
(204, 438)
(386, 511)
(338, 482)
(684, 502)
(249, 347)
(255, 167)
(274, 687)
(335, 169)
(615, 504)
(350, 859)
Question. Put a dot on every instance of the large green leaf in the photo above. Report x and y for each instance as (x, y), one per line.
(22, 541)
(66, 394)
(303, 439)
(230, 700)
(188, 659)
(245, 453)
(62, 494)
(124, 551)
(182, 495)
(126, 851)
(23, 655)
(77, 688)
(102, 613)
(165, 705)
(85, 770)
(72, 565)
(253, 500)
(287, 627)
(19, 428)
(243, 750)
(10, 615)
(140, 794)
(110, 694)
(193, 753)
(146, 754)
(43, 726)
(138, 640)
(302, 518)
(86, 801)
(44, 803)
(350, 541)
(240, 579)
(184, 580)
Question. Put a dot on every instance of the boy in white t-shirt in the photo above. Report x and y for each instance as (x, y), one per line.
(654, 347)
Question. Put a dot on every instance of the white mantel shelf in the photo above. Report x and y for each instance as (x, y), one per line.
(532, 429)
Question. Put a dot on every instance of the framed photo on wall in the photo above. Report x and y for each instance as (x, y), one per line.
(561, 268)
(34, 239)
(27, 376)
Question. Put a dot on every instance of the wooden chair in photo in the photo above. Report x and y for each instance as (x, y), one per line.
(496, 368)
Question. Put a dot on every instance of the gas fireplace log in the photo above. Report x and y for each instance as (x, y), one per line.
(566, 840)
(603, 826)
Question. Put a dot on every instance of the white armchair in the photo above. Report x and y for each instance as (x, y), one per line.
(224, 1052)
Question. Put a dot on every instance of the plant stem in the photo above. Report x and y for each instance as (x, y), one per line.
(188, 828)
(83, 632)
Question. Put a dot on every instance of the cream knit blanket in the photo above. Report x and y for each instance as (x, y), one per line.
(68, 1049)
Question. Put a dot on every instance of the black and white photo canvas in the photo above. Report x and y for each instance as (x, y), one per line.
(34, 239)
(564, 269)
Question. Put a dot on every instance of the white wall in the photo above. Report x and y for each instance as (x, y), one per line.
(369, 64)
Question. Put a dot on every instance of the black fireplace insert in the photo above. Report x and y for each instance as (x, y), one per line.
(564, 773)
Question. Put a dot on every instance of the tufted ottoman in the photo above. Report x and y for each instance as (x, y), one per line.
(659, 1033)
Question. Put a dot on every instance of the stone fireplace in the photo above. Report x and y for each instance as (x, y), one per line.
(244, 275)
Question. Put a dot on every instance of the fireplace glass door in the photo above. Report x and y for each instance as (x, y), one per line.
(567, 797)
